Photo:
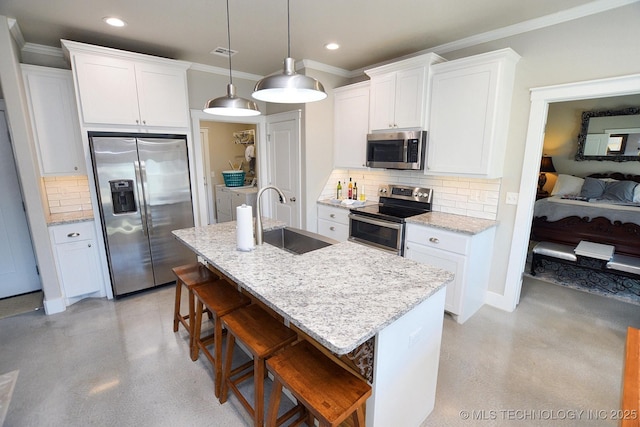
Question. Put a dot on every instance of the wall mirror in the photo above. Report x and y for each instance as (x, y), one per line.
(610, 135)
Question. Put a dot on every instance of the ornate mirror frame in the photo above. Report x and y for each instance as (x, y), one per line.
(586, 116)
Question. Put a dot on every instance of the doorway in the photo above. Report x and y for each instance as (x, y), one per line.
(540, 100)
(18, 267)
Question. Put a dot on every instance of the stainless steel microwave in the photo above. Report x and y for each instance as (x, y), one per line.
(396, 150)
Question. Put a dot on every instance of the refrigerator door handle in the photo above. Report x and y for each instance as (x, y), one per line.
(141, 196)
(145, 193)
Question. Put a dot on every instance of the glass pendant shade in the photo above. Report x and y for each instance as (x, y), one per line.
(289, 87)
(231, 105)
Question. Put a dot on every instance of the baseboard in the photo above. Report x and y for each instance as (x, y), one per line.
(498, 301)
(53, 306)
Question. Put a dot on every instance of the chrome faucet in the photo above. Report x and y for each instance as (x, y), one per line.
(283, 200)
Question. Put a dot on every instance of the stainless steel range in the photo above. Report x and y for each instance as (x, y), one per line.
(382, 225)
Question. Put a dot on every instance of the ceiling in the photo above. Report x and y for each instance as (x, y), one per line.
(369, 31)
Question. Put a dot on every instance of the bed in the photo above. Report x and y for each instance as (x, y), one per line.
(601, 208)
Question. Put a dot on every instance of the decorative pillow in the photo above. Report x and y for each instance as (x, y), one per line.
(622, 191)
(636, 194)
(567, 184)
(592, 188)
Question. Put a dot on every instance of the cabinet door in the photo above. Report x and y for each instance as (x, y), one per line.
(382, 102)
(107, 88)
(78, 263)
(162, 95)
(223, 205)
(333, 230)
(410, 98)
(56, 130)
(448, 261)
(351, 125)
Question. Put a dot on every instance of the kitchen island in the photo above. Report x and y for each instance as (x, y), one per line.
(344, 297)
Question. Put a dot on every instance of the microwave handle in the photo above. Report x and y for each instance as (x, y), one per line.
(372, 221)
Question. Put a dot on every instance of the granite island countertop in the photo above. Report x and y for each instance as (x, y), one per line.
(452, 222)
(340, 295)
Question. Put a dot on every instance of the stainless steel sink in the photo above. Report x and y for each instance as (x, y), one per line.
(295, 240)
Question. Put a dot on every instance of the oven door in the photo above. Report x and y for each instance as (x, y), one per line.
(378, 233)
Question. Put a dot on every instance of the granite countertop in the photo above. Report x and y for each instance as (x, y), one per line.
(451, 222)
(60, 219)
(340, 295)
(338, 204)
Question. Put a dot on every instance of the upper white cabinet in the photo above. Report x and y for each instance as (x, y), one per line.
(399, 93)
(351, 125)
(469, 114)
(123, 88)
(54, 118)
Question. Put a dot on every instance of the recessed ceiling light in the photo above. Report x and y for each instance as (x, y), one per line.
(114, 22)
(332, 46)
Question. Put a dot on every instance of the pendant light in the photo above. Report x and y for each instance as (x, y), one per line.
(289, 87)
(231, 105)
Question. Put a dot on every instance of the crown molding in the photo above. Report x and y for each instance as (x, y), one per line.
(14, 29)
(224, 72)
(41, 49)
(319, 66)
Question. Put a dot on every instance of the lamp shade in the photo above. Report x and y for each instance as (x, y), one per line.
(289, 87)
(546, 164)
(231, 105)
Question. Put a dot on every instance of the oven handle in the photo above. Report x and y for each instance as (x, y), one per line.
(372, 221)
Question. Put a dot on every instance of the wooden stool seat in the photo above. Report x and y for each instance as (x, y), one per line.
(327, 391)
(219, 298)
(262, 335)
(189, 275)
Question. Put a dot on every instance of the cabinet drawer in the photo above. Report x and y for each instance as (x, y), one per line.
(437, 238)
(68, 233)
(338, 215)
(333, 230)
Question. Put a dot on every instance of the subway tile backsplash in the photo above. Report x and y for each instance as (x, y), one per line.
(477, 198)
(68, 197)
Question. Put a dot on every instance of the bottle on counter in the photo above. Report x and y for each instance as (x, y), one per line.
(362, 196)
(339, 191)
(350, 190)
(355, 191)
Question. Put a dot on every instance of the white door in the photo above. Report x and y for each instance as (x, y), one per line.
(208, 185)
(18, 273)
(283, 148)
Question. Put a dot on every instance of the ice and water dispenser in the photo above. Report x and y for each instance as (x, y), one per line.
(122, 196)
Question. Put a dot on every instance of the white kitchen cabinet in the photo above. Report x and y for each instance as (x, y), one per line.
(351, 125)
(399, 93)
(77, 260)
(122, 88)
(229, 198)
(333, 222)
(469, 114)
(467, 256)
(54, 120)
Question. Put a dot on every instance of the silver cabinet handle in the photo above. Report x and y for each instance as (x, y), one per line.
(293, 199)
(89, 245)
(332, 215)
(74, 234)
(434, 240)
(332, 228)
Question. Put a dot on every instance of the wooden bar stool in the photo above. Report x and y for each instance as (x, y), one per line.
(219, 298)
(327, 391)
(262, 335)
(189, 275)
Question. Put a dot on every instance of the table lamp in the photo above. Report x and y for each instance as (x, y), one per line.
(546, 165)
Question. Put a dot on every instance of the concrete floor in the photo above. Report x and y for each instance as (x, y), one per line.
(119, 363)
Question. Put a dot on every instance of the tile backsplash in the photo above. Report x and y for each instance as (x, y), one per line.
(472, 197)
(68, 197)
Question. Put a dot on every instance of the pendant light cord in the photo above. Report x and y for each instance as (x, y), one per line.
(288, 31)
(229, 40)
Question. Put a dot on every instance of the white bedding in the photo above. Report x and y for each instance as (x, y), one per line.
(556, 208)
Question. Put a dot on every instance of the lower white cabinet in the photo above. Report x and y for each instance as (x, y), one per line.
(467, 256)
(77, 259)
(229, 198)
(333, 222)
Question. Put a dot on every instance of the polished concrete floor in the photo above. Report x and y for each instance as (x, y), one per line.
(119, 363)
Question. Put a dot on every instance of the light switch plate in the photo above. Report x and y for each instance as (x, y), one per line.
(512, 198)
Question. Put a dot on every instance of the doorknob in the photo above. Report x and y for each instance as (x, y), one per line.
(292, 199)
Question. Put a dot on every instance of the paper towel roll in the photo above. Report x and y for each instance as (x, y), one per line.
(244, 228)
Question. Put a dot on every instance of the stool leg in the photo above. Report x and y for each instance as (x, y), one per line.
(176, 309)
(192, 324)
(224, 391)
(196, 331)
(218, 354)
(358, 417)
(258, 384)
(274, 403)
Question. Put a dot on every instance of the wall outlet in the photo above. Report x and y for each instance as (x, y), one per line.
(512, 198)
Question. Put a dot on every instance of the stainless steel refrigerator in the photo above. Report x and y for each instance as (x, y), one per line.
(144, 193)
